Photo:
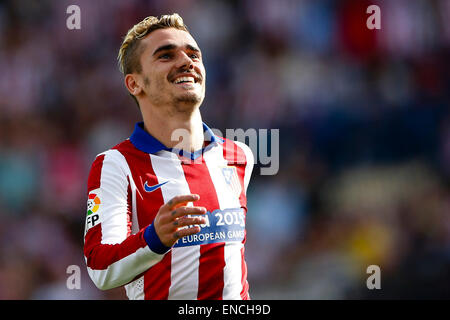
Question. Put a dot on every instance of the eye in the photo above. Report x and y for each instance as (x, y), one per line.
(165, 56)
(194, 56)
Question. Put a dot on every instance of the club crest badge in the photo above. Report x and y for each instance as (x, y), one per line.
(232, 180)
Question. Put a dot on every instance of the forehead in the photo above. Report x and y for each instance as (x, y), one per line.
(162, 37)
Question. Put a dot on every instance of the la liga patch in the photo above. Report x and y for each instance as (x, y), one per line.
(93, 203)
(93, 206)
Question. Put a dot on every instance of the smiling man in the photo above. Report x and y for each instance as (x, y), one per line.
(167, 211)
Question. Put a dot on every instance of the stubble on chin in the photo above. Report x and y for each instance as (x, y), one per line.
(187, 98)
(179, 102)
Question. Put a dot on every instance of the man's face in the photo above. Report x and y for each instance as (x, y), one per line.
(172, 69)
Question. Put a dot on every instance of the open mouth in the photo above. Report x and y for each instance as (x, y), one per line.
(186, 79)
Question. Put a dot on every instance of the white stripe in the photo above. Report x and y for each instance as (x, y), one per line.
(184, 273)
(135, 289)
(113, 195)
(249, 157)
(185, 260)
(116, 274)
(232, 271)
(227, 199)
(119, 159)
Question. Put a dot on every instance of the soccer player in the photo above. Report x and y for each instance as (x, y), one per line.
(167, 207)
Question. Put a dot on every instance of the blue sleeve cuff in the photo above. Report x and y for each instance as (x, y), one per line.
(153, 241)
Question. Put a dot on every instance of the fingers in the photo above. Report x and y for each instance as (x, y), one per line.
(185, 221)
(170, 232)
(180, 200)
(180, 233)
(172, 223)
(182, 211)
(180, 227)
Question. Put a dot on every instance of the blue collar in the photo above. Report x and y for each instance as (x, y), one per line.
(145, 142)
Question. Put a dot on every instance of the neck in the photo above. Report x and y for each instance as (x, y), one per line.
(181, 130)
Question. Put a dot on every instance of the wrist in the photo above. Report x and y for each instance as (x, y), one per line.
(153, 241)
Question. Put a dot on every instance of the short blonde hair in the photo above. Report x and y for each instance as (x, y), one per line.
(130, 50)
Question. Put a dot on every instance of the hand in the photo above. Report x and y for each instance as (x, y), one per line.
(171, 217)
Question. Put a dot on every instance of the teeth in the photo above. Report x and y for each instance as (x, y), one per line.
(184, 79)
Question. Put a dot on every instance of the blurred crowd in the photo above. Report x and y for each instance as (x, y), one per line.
(364, 138)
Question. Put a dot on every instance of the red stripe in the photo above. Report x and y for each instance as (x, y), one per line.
(92, 239)
(233, 153)
(235, 156)
(210, 271)
(157, 278)
(95, 173)
(244, 292)
(212, 259)
(100, 256)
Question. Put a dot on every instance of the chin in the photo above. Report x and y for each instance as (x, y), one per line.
(189, 99)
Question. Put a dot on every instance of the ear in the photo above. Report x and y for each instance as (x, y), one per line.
(133, 84)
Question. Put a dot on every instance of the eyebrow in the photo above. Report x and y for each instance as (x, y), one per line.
(168, 47)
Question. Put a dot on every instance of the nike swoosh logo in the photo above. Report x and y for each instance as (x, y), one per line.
(153, 188)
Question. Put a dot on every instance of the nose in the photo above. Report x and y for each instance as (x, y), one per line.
(184, 61)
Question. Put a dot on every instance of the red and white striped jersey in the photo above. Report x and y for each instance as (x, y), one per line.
(126, 187)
